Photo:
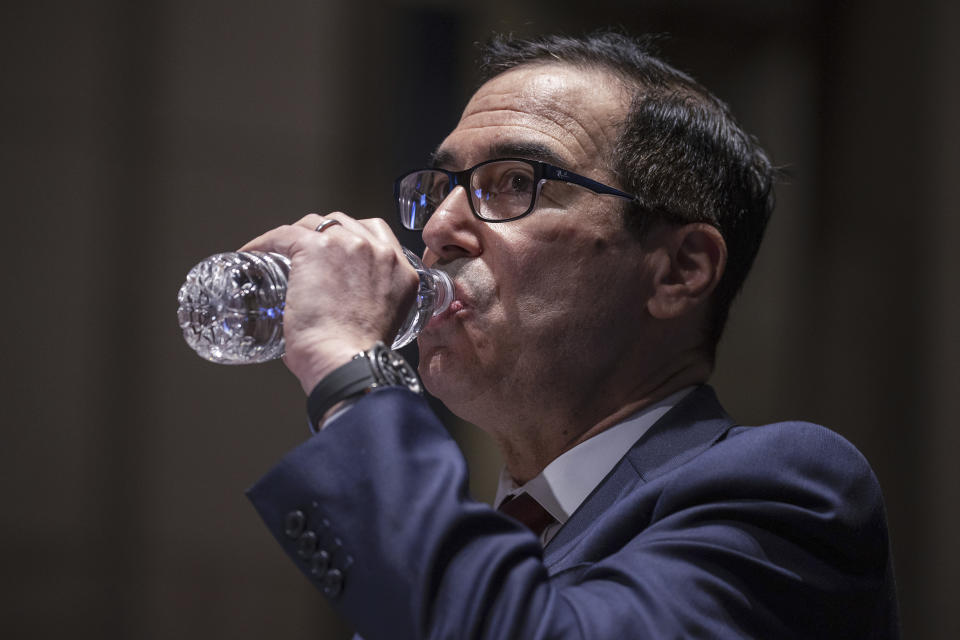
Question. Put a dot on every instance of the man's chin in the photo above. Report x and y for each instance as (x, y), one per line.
(434, 361)
(442, 376)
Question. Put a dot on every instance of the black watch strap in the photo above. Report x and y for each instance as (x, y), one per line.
(375, 367)
(343, 382)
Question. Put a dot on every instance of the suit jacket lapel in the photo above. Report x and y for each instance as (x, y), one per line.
(682, 433)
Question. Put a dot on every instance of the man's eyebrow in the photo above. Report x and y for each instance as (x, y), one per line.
(441, 158)
(444, 159)
(528, 150)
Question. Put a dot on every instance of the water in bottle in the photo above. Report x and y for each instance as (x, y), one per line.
(231, 305)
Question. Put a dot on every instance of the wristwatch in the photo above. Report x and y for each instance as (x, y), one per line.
(376, 367)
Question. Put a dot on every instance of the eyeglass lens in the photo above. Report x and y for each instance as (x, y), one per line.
(498, 190)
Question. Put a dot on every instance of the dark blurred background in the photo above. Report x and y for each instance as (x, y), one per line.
(139, 137)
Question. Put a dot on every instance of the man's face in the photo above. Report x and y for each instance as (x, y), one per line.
(546, 303)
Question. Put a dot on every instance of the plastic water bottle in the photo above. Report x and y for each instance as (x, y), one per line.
(231, 305)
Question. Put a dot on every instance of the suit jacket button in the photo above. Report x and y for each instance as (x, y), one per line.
(294, 524)
(306, 544)
(319, 563)
(333, 583)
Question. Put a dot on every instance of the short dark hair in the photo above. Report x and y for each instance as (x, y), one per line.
(680, 149)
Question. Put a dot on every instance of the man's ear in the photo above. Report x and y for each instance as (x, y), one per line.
(689, 266)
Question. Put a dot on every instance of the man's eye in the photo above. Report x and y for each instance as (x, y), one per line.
(516, 182)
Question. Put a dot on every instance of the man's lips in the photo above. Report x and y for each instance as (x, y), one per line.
(473, 288)
(455, 307)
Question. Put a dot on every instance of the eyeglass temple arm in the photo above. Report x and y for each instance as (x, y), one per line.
(556, 173)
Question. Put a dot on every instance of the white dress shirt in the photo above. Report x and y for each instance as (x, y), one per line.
(566, 482)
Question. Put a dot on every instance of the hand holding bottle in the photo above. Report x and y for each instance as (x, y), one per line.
(231, 307)
(349, 286)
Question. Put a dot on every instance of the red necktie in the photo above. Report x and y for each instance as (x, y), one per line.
(528, 511)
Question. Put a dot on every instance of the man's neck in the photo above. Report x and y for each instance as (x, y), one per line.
(528, 446)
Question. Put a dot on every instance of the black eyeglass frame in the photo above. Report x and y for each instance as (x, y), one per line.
(542, 172)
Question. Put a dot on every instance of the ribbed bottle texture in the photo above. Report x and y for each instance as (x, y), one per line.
(231, 306)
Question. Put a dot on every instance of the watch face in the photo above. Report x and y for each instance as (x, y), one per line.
(391, 369)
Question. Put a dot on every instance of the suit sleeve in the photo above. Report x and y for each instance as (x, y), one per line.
(375, 511)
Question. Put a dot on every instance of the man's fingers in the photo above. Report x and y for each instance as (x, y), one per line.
(378, 228)
(347, 237)
(287, 238)
(312, 221)
(280, 240)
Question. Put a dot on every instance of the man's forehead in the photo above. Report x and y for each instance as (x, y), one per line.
(447, 158)
(549, 112)
(551, 90)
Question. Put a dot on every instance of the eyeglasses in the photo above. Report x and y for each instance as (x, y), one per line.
(499, 190)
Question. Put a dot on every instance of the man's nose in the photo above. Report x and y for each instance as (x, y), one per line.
(452, 231)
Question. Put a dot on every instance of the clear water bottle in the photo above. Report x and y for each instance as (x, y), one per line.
(231, 305)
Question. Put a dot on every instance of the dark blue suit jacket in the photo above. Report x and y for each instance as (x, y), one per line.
(705, 529)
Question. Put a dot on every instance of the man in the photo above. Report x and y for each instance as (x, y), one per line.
(597, 211)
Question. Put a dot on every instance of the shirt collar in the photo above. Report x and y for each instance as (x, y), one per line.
(566, 482)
